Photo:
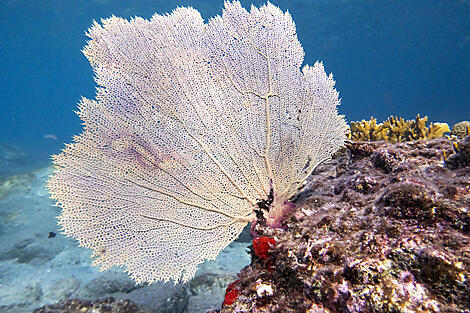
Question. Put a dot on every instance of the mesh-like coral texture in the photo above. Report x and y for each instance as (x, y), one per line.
(193, 123)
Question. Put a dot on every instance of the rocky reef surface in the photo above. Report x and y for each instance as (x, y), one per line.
(381, 228)
(106, 305)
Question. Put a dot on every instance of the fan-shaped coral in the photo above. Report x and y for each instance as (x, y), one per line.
(193, 125)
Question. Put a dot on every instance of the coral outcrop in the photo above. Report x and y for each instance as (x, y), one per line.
(396, 129)
(382, 228)
(461, 129)
(461, 157)
(108, 305)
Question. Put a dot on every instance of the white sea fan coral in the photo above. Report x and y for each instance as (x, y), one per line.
(192, 125)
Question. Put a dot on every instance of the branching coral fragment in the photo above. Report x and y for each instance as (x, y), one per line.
(396, 129)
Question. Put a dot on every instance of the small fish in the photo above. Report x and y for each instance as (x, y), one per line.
(50, 136)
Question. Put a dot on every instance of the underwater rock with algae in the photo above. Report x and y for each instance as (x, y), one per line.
(461, 157)
(108, 305)
(381, 228)
(396, 129)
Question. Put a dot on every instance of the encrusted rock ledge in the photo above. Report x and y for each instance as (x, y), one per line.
(107, 305)
(382, 228)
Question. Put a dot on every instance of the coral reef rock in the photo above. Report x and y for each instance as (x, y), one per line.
(107, 305)
(381, 228)
(461, 157)
(461, 129)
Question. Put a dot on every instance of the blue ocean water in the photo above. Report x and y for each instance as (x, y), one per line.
(388, 57)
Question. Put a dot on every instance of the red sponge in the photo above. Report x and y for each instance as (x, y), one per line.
(262, 245)
(231, 293)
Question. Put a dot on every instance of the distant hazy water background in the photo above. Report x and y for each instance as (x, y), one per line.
(388, 57)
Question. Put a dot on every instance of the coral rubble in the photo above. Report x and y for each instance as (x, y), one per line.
(396, 129)
(381, 228)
